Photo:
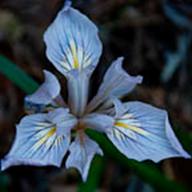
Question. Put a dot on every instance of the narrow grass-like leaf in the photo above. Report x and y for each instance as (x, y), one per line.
(185, 139)
(17, 75)
(4, 180)
(94, 176)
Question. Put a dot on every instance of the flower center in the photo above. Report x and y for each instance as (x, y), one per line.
(80, 126)
(80, 130)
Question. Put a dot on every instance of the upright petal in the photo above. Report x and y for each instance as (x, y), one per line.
(72, 41)
(45, 94)
(144, 132)
(74, 48)
(82, 151)
(37, 141)
(117, 82)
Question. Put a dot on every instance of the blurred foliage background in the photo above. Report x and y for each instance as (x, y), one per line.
(155, 38)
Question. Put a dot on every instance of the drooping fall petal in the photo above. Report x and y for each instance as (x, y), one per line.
(37, 141)
(144, 132)
(82, 153)
(72, 42)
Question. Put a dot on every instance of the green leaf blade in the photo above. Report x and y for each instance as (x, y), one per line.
(94, 176)
(17, 75)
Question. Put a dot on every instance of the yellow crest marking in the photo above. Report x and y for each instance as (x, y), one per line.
(131, 127)
(74, 55)
(50, 133)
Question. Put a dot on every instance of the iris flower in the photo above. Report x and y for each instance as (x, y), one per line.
(138, 130)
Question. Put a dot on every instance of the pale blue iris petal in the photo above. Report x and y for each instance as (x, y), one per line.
(37, 142)
(63, 120)
(9, 161)
(117, 82)
(153, 140)
(72, 41)
(78, 84)
(47, 93)
(99, 122)
(81, 154)
(113, 107)
(118, 107)
(67, 4)
(49, 90)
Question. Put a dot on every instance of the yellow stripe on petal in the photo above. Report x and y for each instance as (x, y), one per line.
(49, 134)
(132, 128)
(74, 55)
(76, 62)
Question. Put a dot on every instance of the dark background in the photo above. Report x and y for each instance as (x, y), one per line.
(154, 44)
